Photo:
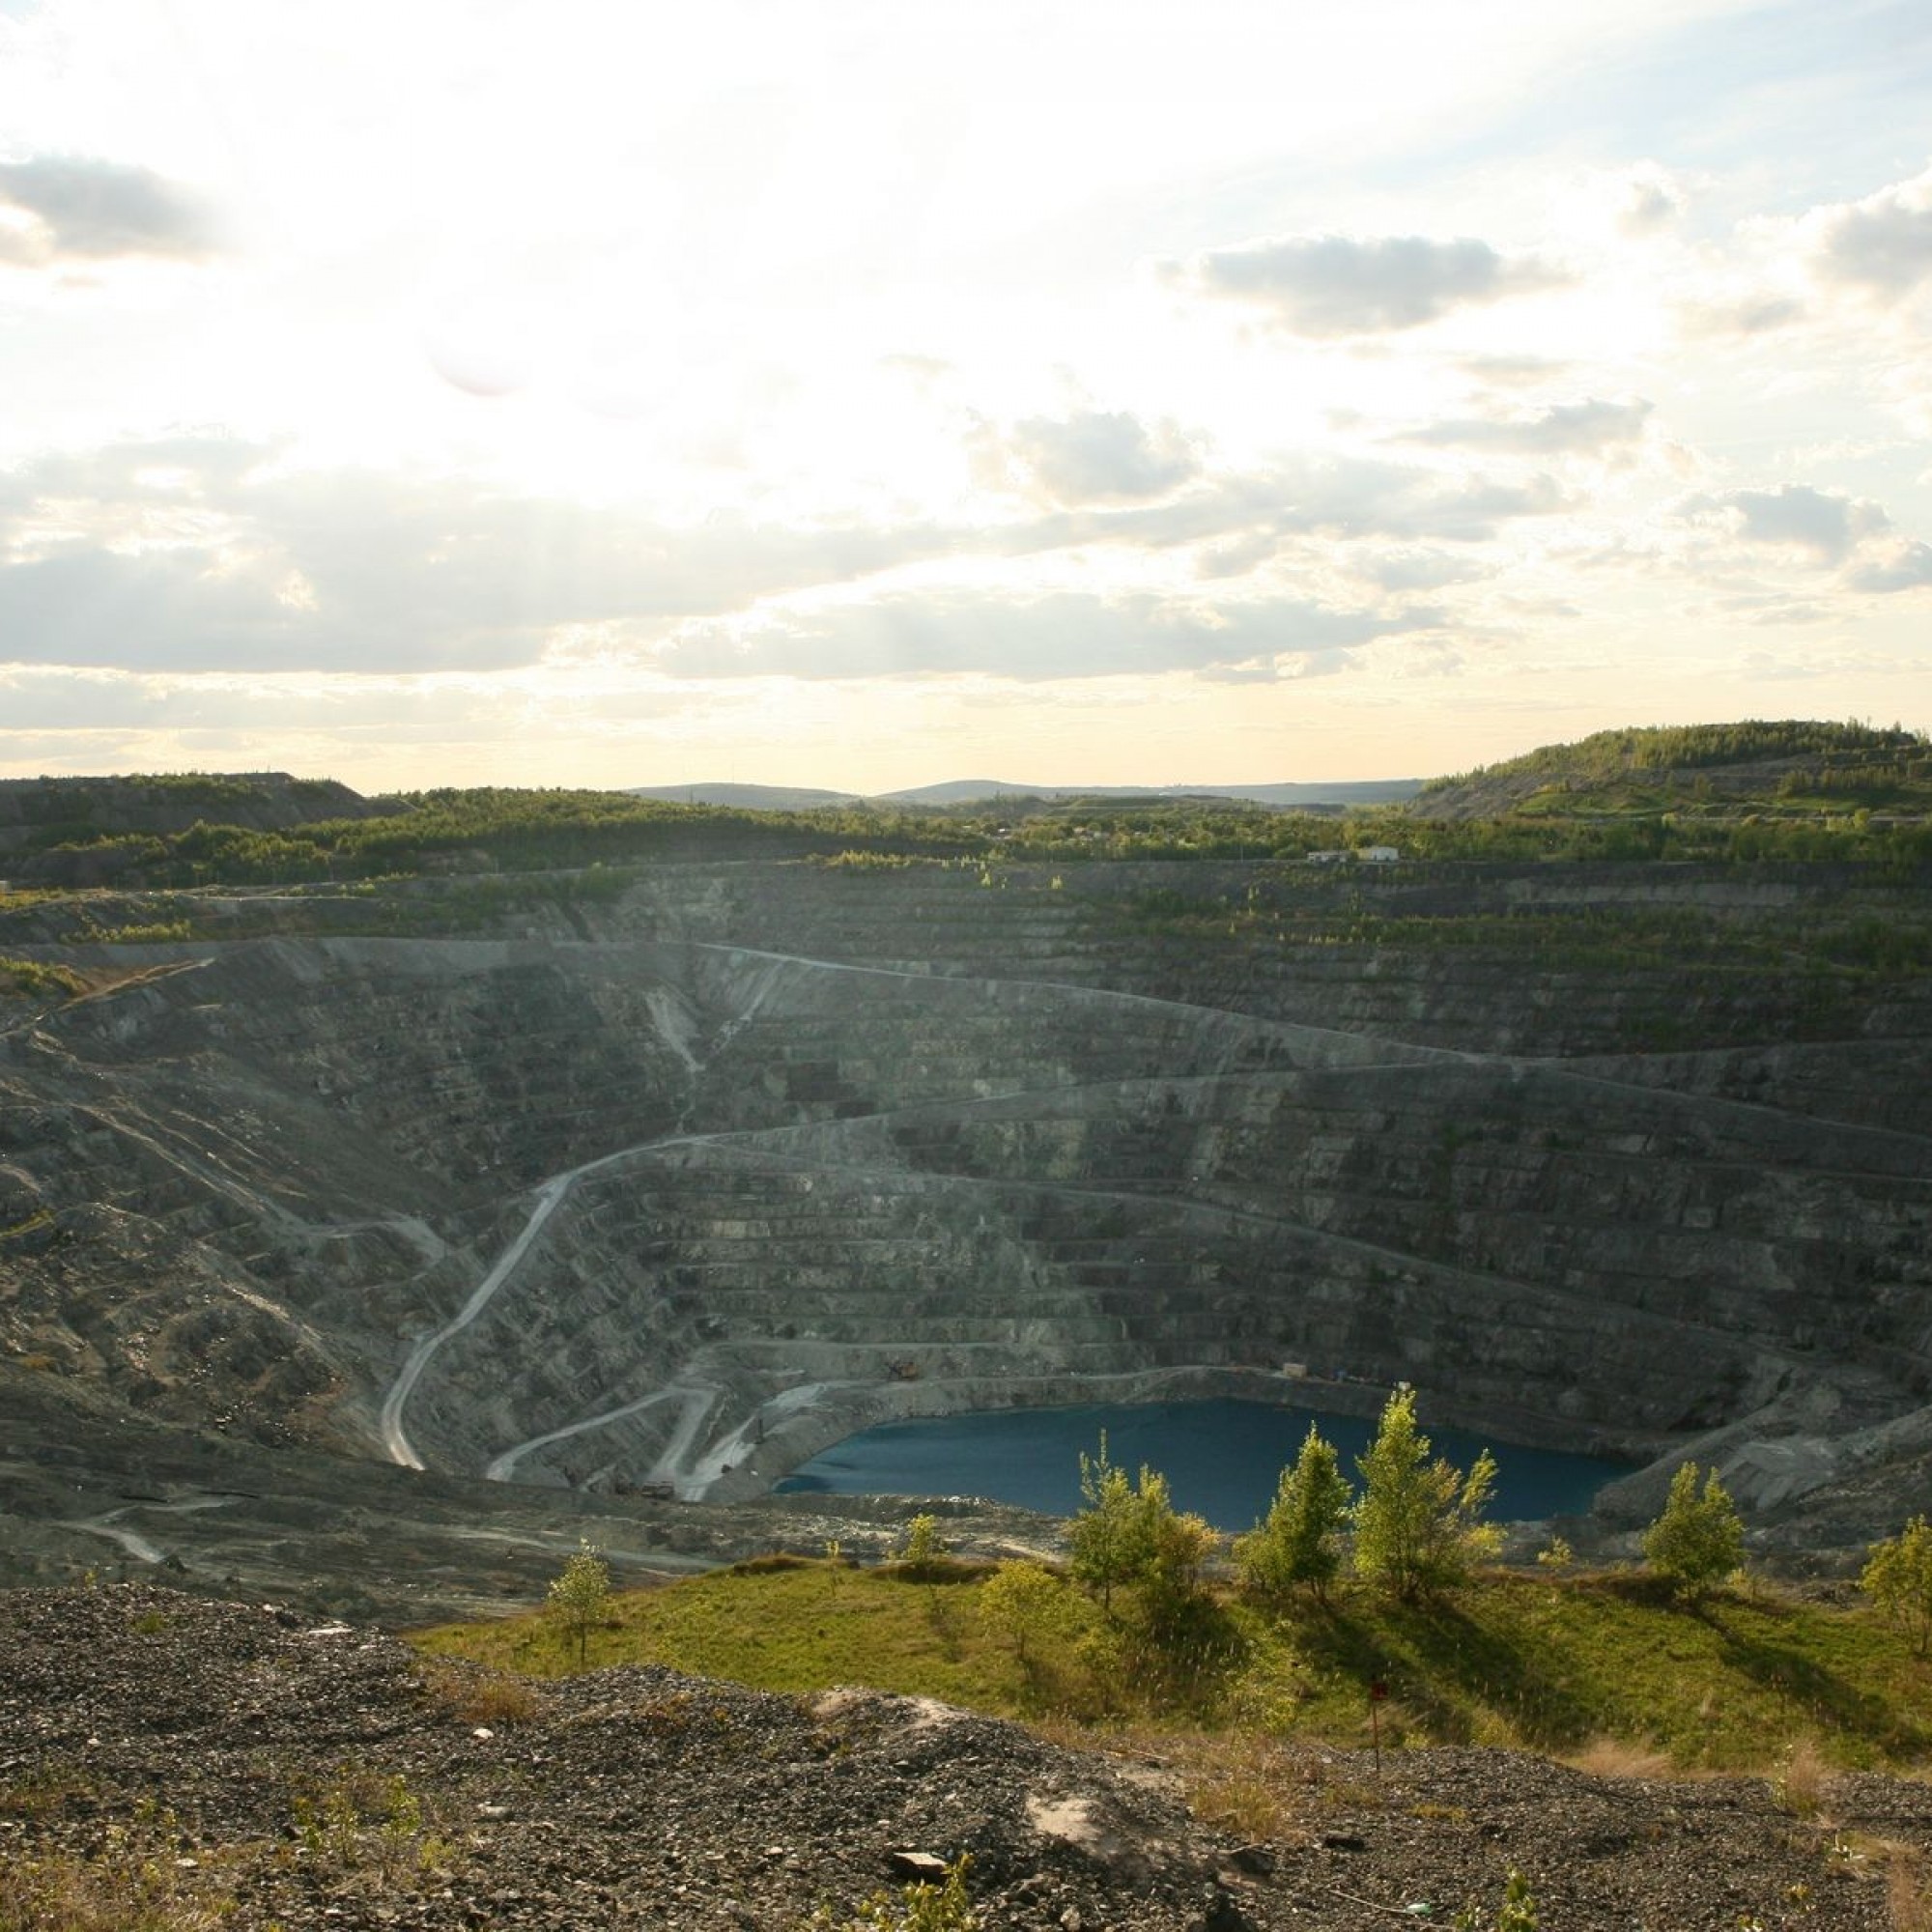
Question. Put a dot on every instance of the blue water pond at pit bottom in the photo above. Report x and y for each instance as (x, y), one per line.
(1222, 1458)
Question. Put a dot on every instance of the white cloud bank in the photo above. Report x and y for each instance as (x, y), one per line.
(1882, 244)
(597, 395)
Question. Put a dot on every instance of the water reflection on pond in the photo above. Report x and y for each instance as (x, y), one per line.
(1221, 1457)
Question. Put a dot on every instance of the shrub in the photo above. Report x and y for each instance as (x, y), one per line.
(1299, 1542)
(916, 1908)
(1021, 1601)
(1699, 1539)
(1516, 1914)
(1130, 1534)
(1898, 1576)
(923, 1547)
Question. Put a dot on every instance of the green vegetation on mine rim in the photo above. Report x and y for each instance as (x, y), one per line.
(1662, 748)
(1751, 793)
(1536, 1662)
(538, 831)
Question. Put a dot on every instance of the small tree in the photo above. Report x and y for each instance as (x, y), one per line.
(1177, 1543)
(923, 1545)
(1021, 1601)
(1299, 1542)
(1107, 1542)
(1130, 1534)
(1898, 1576)
(1418, 1524)
(1698, 1538)
(580, 1599)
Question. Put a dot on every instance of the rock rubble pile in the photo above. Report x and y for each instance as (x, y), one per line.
(327, 1778)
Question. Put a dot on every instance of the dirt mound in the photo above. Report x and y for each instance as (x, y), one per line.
(324, 1775)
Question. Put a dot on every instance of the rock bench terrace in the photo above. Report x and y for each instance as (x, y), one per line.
(751, 1154)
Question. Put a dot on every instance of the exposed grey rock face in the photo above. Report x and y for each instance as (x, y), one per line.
(679, 1190)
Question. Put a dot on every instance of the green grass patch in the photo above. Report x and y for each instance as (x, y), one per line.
(802, 1627)
(1550, 1666)
(1527, 1661)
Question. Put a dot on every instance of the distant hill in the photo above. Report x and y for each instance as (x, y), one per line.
(746, 797)
(952, 792)
(1345, 791)
(1657, 767)
(964, 791)
(46, 811)
(1287, 796)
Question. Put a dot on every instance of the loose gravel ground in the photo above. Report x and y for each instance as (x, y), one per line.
(247, 1760)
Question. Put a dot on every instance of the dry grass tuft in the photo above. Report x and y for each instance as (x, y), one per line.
(1799, 1785)
(474, 1694)
(1618, 1757)
(1240, 1784)
(138, 1880)
(1907, 1900)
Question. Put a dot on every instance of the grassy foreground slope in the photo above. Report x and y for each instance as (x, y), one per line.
(1555, 1664)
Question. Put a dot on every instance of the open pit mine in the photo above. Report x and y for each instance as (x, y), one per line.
(379, 1242)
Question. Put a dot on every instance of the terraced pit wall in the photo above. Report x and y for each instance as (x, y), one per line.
(771, 1150)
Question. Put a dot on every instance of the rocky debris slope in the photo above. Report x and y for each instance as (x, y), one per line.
(679, 1178)
(327, 1776)
(368, 1541)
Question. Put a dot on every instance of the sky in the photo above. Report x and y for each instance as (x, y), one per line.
(856, 394)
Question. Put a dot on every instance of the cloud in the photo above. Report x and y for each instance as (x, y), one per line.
(51, 698)
(1747, 315)
(1898, 566)
(1065, 634)
(1565, 429)
(1877, 252)
(1512, 371)
(1414, 569)
(85, 210)
(194, 554)
(1090, 457)
(1473, 513)
(1304, 497)
(1337, 285)
(1769, 610)
(1296, 669)
(162, 609)
(1237, 555)
(1651, 201)
(1794, 516)
(186, 554)
(1882, 244)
